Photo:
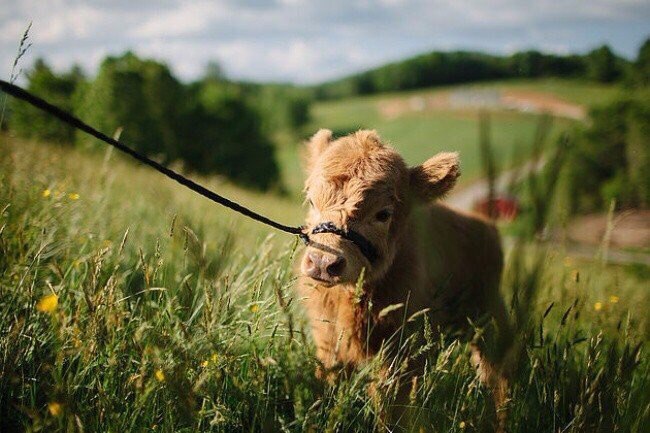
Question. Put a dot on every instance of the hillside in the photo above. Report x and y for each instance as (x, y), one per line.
(115, 193)
(422, 122)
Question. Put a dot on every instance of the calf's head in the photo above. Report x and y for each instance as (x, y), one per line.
(359, 186)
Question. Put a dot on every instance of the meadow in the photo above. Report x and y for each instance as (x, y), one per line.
(130, 304)
(420, 134)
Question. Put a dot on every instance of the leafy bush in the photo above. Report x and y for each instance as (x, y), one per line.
(608, 159)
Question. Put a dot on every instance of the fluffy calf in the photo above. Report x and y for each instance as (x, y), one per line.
(429, 256)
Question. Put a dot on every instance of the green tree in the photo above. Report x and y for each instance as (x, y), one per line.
(30, 122)
(641, 68)
(214, 71)
(223, 133)
(527, 63)
(603, 65)
(638, 151)
(283, 108)
(139, 96)
(610, 157)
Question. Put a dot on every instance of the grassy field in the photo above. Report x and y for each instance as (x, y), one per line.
(128, 304)
(419, 135)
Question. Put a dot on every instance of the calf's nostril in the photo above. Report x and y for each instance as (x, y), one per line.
(314, 260)
(335, 269)
(312, 265)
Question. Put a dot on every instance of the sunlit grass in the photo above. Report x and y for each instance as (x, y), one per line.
(130, 304)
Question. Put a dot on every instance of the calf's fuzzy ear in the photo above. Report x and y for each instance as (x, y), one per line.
(315, 146)
(435, 177)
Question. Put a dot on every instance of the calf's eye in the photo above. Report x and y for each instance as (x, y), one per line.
(383, 215)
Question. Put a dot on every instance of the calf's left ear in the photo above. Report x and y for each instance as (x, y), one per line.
(436, 176)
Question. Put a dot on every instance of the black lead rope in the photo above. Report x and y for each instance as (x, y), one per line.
(362, 243)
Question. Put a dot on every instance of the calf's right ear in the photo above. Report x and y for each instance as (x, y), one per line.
(315, 146)
(435, 177)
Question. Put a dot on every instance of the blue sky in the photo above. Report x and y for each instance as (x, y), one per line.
(309, 41)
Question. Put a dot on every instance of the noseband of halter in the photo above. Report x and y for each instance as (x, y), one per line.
(365, 246)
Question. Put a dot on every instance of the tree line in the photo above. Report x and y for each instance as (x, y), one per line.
(211, 125)
(444, 68)
(218, 125)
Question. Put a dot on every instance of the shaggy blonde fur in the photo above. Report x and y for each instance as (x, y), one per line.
(431, 257)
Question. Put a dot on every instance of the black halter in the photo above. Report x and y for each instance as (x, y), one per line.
(365, 246)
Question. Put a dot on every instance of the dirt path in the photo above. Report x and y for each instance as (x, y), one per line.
(525, 101)
(629, 229)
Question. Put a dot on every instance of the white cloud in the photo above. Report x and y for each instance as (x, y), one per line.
(12, 31)
(187, 19)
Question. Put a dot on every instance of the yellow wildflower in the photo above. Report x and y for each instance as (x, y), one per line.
(48, 303)
(73, 196)
(160, 375)
(461, 425)
(55, 408)
(46, 193)
(614, 299)
(214, 358)
(254, 308)
(204, 363)
(598, 306)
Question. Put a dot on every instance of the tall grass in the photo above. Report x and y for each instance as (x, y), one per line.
(170, 315)
(23, 46)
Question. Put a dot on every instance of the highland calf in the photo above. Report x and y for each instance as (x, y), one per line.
(408, 251)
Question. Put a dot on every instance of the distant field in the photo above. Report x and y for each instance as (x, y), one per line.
(420, 134)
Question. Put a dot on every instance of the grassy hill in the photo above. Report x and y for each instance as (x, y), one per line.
(421, 132)
(130, 304)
